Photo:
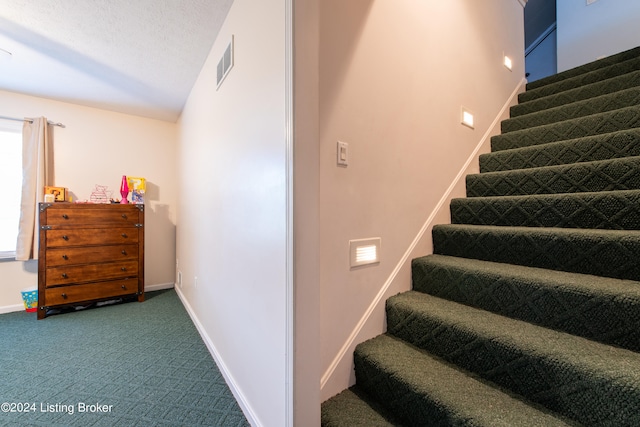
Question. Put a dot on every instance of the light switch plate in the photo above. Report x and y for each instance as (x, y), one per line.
(343, 153)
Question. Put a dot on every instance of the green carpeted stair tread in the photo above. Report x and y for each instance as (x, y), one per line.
(608, 253)
(354, 408)
(612, 210)
(598, 308)
(587, 107)
(600, 175)
(425, 391)
(624, 143)
(592, 383)
(600, 74)
(595, 124)
(591, 66)
(581, 93)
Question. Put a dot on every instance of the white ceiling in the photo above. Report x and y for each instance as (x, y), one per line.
(138, 57)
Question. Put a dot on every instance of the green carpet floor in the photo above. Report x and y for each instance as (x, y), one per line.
(144, 364)
(528, 312)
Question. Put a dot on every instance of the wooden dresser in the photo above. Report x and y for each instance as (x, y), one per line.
(88, 253)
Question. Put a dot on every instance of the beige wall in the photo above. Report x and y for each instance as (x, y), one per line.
(393, 78)
(232, 215)
(98, 147)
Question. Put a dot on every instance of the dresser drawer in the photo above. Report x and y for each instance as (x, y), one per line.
(91, 291)
(114, 216)
(64, 275)
(91, 254)
(91, 236)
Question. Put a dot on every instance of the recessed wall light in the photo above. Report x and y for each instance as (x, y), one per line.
(466, 117)
(507, 62)
(364, 251)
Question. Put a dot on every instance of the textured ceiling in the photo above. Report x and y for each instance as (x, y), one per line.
(134, 56)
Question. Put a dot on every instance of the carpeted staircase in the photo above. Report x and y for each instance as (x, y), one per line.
(528, 312)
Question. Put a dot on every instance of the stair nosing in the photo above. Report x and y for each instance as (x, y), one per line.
(534, 129)
(543, 99)
(603, 97)
(553, 167)
(577, 77)
(547, 145)
(575, 281)
(529, 337)
(610, 60)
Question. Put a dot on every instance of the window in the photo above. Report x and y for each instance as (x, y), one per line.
(11, 179)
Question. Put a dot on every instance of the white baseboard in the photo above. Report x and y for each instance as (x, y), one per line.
(147, 288)
(11, 308)
(158, 287)
(242, 401)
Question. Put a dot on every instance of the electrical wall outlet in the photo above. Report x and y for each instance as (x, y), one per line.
(195, 282)
(179, 278)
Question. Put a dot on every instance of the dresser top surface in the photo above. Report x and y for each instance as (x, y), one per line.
(68, 205)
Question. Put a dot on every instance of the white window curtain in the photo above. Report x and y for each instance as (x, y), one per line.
(36, 172)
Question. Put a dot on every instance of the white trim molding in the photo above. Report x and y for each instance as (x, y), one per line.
(11, 308)
(289, 262)
(159, 287)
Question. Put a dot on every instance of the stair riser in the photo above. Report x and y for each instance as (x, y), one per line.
(606, 253)
(598, 124)
(592, 66)
(610, 210)
(415, 408)
(622, 99)
(619, 174)
(550, 301)
(536, 377)
(614, 70)
(600, 147)
(578, 94)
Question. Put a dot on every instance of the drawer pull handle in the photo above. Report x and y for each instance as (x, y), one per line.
(123, 287)
(124, 252)
(124, 235)
(65, 216)
(64, 275)
(65, 237)
(123, 268)
(124, 216)
(64, 295)
(65, 257)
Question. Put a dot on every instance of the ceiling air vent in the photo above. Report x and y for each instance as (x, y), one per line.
(226, 63)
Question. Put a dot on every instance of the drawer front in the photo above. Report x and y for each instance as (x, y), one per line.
(91, 236)
(109, 215)
(88, 292)
(90, 272)
(91, 254)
